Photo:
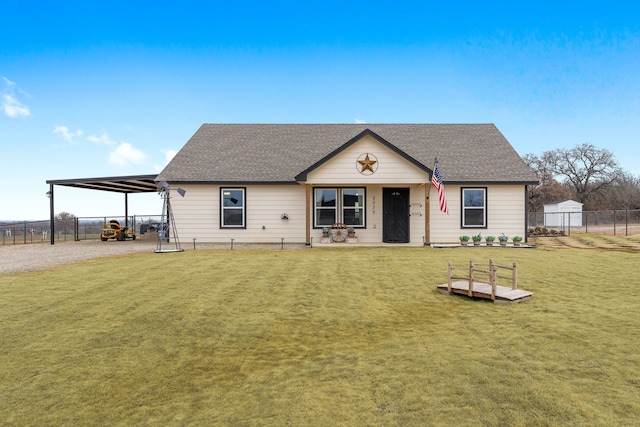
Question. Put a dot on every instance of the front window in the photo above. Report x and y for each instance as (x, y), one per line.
(326, 206)
(474, 207)
(344, 205)
(353, 207)
(232, 213)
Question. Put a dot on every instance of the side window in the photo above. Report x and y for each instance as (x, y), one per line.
(474, 207)
(232, 208)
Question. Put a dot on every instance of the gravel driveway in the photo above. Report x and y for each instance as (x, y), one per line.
(40, 256)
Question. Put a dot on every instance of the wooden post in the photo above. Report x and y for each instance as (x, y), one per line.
(470, 291)
(427, 214)
(492, 279)
(308, 214)
(450, 283)
(514, 285)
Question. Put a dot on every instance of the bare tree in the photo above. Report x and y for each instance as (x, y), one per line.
(65, 221)
(589, 171)
(625, 193)
(549, 189)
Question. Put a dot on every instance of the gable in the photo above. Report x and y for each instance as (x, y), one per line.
(366, 160)
(367, 134)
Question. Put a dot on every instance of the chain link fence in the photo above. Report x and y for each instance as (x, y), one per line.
(74, 229)
(615, 222)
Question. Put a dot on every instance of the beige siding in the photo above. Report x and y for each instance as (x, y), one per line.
(343, 169)
(373, 232)
(506, 207)
(197, 215)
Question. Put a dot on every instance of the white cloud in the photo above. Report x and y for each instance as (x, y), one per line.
(68, 136)
(124, 155)
(360, 122)
(168, 156)
(10, 104)
(13, 108)
(102, 139)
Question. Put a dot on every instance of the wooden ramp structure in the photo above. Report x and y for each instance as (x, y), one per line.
(468, 285)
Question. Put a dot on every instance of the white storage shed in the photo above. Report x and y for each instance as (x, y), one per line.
(567, 213)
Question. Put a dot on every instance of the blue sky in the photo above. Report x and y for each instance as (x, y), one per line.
(91, 89)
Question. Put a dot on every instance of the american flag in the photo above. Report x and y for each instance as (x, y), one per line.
(436, 180)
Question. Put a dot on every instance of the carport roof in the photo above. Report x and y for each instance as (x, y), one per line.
(116, 184)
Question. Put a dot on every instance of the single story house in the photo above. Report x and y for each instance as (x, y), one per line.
(565, 213)
(258, 183)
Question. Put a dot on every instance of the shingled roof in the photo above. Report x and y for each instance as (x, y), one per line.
(278, 153)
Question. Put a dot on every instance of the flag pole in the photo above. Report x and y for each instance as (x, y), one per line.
(433, 170)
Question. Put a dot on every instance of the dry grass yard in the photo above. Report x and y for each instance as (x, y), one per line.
(324, 336)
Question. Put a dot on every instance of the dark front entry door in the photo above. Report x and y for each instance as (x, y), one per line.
(395, 207)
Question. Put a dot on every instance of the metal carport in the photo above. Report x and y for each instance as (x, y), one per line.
(116, 184)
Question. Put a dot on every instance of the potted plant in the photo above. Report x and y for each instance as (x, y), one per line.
(351, 232)
(325, 232)
(464, 240)
(477, 239)
(489, 240)
(503, 239)
(517, 240)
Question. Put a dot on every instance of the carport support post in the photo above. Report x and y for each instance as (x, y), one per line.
(51, 215)
(126, 210)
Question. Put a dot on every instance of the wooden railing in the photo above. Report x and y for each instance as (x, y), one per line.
(491, 274)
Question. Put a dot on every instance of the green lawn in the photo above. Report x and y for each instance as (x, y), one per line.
(322, 336)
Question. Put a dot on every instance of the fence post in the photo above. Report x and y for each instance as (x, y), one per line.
(614, 222)
(626, 222)
(586, 223)
(514, 277)
(492, 279)
(450, 281)
(470, 292)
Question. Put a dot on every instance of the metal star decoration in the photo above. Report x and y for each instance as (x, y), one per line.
(367, 164)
